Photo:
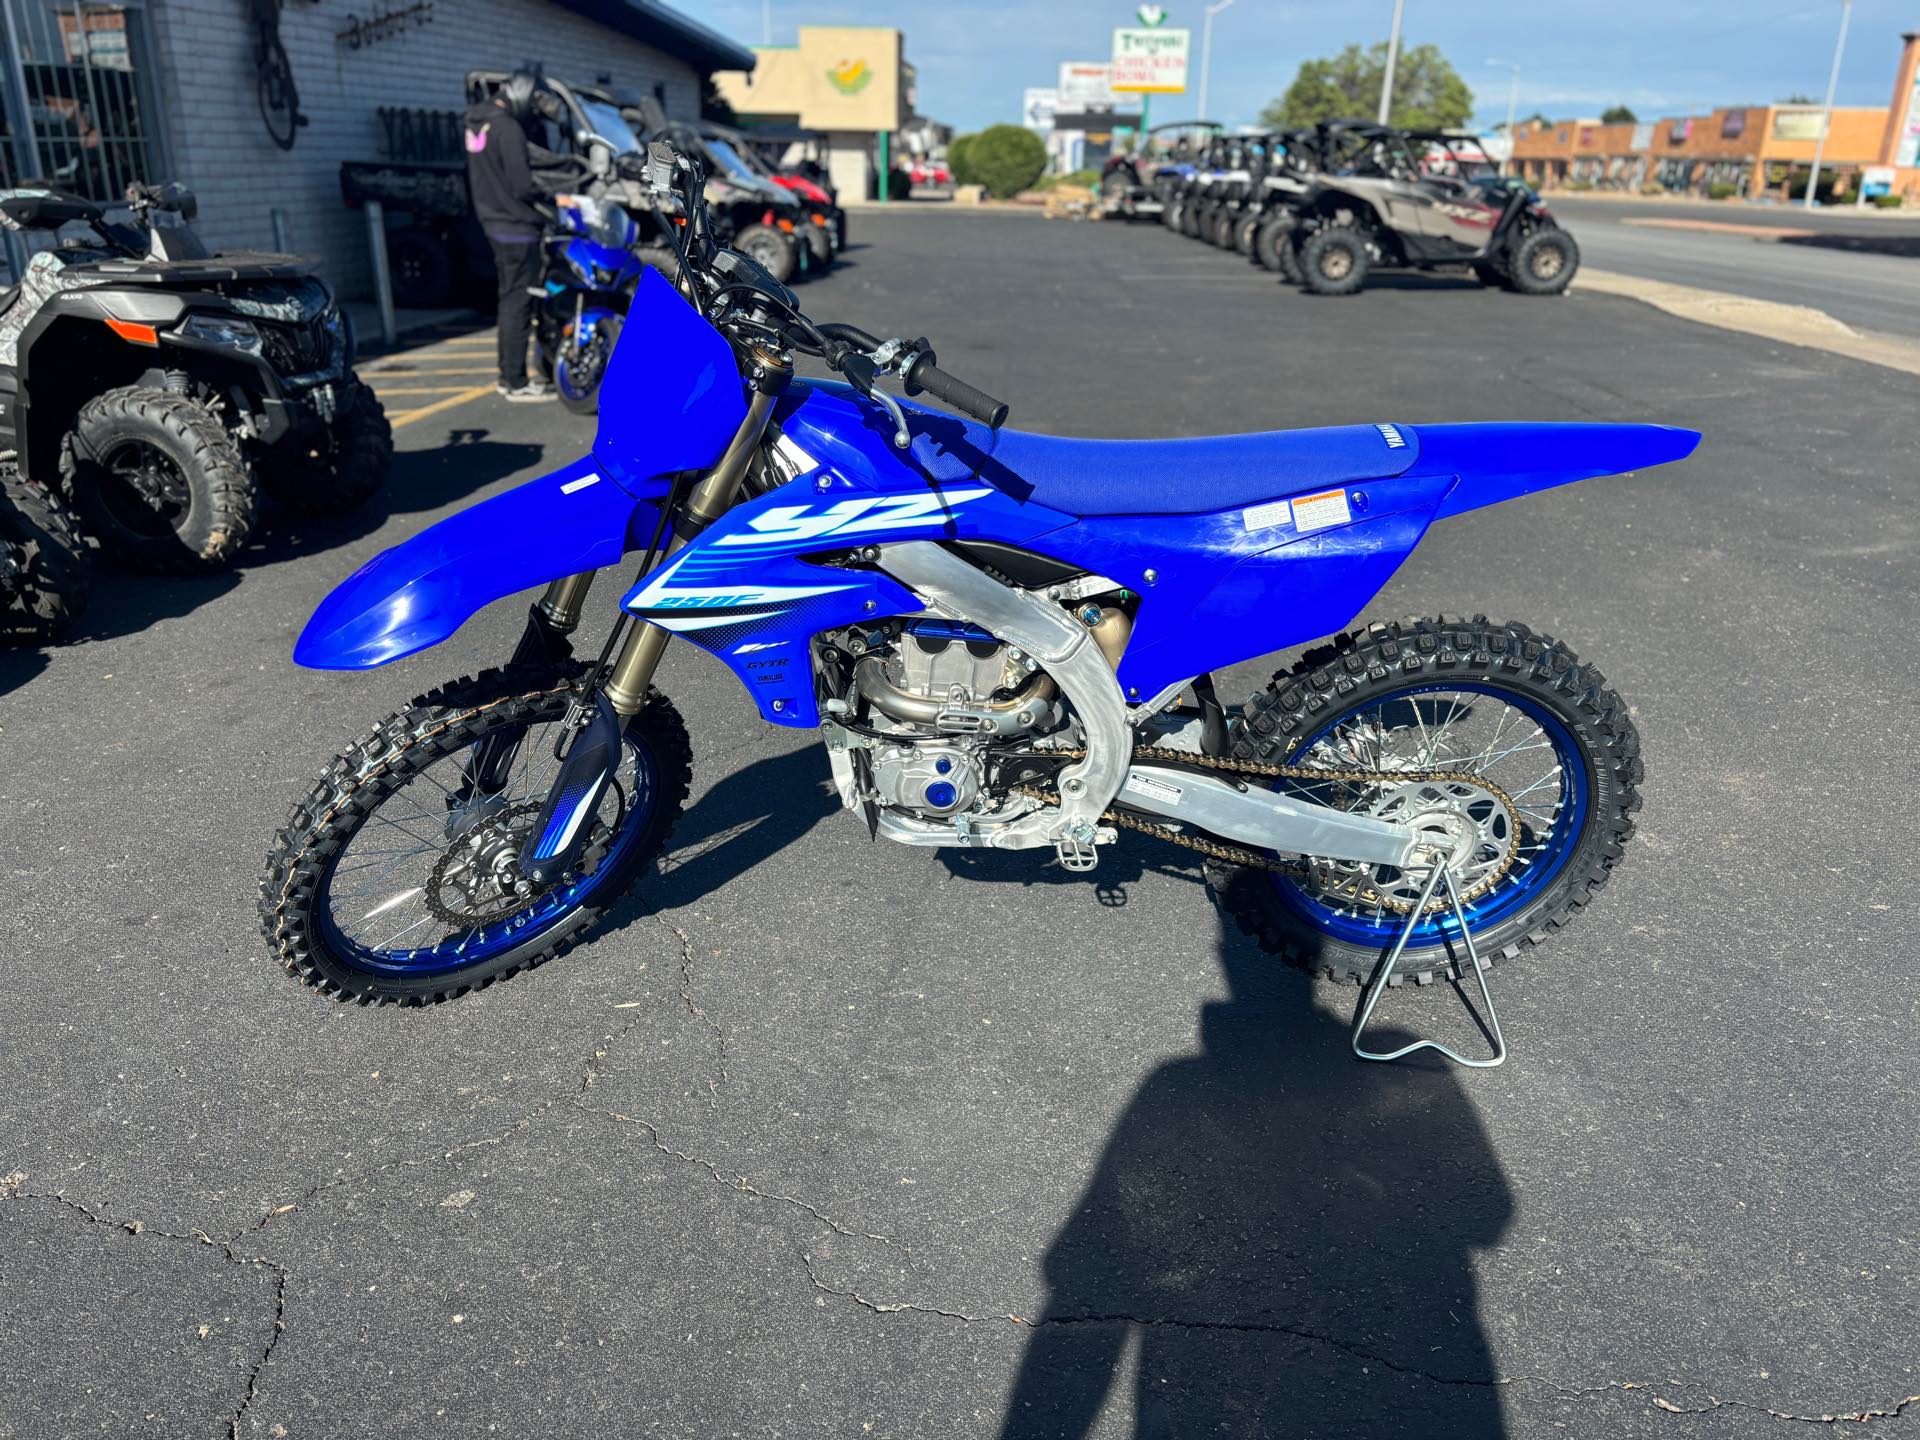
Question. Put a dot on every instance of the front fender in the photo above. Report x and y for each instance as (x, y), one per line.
(423, 589)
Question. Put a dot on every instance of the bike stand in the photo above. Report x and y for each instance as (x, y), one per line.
(1378, 987)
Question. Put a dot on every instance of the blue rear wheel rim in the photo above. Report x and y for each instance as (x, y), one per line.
(1552, 843)
(639, 787)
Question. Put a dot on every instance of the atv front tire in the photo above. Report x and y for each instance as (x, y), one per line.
(46, 573)
(158, 480)
(1334, 260)
(343, 469)
(772, 248)
(1544, 262)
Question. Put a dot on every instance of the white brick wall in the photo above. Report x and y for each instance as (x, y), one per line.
(220, 145)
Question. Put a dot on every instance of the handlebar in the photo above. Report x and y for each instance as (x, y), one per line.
(923, 374)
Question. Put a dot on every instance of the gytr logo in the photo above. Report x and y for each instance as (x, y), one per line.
(863, 515)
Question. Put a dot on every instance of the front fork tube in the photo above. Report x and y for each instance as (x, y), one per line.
(632, 672)
(543, 647)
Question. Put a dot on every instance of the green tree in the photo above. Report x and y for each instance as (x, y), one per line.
(1428, 92)
(1006, 159)
(1618, 115)
(957, 161)
(713, 105)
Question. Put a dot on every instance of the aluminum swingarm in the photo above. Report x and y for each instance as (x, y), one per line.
(1110, 771)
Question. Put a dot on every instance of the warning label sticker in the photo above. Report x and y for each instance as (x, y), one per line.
(1152, 788)
(1317, 512)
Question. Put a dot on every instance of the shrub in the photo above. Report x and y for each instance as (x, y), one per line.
(1888, 202)
(1006, 159)
(958, 160)
(1653, 187)
(1722, 190)
(1579, 185)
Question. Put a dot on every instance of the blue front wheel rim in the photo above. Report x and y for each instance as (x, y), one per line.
(435, 949)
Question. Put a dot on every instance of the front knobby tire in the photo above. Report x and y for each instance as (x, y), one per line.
(300, 917)
(1334, 260)
(341, 468)
(158, 480)
(1362, 672)
(1544, 262)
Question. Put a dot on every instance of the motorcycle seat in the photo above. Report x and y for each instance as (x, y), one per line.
(1159, 477)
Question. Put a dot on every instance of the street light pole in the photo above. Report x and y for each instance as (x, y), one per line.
(766, 22)
(1206, 51)
(1513, 105)
(1393, 55)
(1826, 118)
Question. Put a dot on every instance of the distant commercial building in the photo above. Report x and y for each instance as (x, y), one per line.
(850, 82)
(1753, 148)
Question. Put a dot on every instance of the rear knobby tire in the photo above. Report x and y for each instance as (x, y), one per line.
(1348, 672)
(48, 589)
(199, 459)
(442, 723)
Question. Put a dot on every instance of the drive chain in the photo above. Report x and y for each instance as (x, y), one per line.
(1260, 860)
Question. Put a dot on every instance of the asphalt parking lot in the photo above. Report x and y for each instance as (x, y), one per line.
(819, 1138)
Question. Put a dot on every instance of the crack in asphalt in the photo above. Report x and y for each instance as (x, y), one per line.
(12, 1187)
(693, 1006)
(878, 1307)
(741, 1183)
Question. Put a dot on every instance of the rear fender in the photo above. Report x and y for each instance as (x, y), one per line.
(422, 590)
(1499, 462)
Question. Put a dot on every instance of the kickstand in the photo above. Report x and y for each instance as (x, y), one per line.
(1378, 987)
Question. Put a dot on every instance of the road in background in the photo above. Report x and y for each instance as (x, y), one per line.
(1868, 291)
(819, 1137)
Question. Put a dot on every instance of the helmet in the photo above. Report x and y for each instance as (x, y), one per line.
(517, 94)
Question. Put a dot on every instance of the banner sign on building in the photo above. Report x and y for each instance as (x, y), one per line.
(1642, 136)
(1907, 142)
(1150, 62)
(1040, 108)
(1086, 85)
(1799, 124)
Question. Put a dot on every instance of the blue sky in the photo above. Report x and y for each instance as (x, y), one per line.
(976, 56)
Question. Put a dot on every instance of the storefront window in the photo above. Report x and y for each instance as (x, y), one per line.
(78, 106)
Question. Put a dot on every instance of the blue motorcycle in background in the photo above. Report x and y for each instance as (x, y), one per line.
(1004, 640)
(595, 254)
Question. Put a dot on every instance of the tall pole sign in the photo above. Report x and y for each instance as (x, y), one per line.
(1149, 59)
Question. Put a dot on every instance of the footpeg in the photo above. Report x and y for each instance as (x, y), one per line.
(1075, 849)
(1439, 874)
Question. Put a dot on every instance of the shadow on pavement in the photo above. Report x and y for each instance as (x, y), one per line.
(1906, 245)
(19, 664)
(747, 818)
(1286, 1235)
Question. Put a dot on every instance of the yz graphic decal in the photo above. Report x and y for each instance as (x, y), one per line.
(862, 515)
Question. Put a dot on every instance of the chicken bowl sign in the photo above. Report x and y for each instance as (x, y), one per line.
(1148, 60)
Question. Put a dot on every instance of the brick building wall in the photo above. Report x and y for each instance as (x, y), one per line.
(220, 146)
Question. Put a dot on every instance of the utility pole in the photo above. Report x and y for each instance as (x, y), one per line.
(1826, 116)
(1393, 55)
(1206, 51)
(1513, 105)
(766, 22)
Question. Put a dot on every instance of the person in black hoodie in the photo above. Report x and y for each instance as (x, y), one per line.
(505, 200)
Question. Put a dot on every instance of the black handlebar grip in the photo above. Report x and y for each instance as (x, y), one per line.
(957, 393)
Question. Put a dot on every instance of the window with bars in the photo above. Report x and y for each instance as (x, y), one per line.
(79, 111)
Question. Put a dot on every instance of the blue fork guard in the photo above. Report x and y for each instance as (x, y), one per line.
(422, 590)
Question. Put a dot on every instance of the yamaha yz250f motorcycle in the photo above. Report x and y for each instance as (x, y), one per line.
(1003, 639)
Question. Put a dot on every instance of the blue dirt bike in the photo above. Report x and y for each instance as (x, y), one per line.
(595, 254)
(1003, 639)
